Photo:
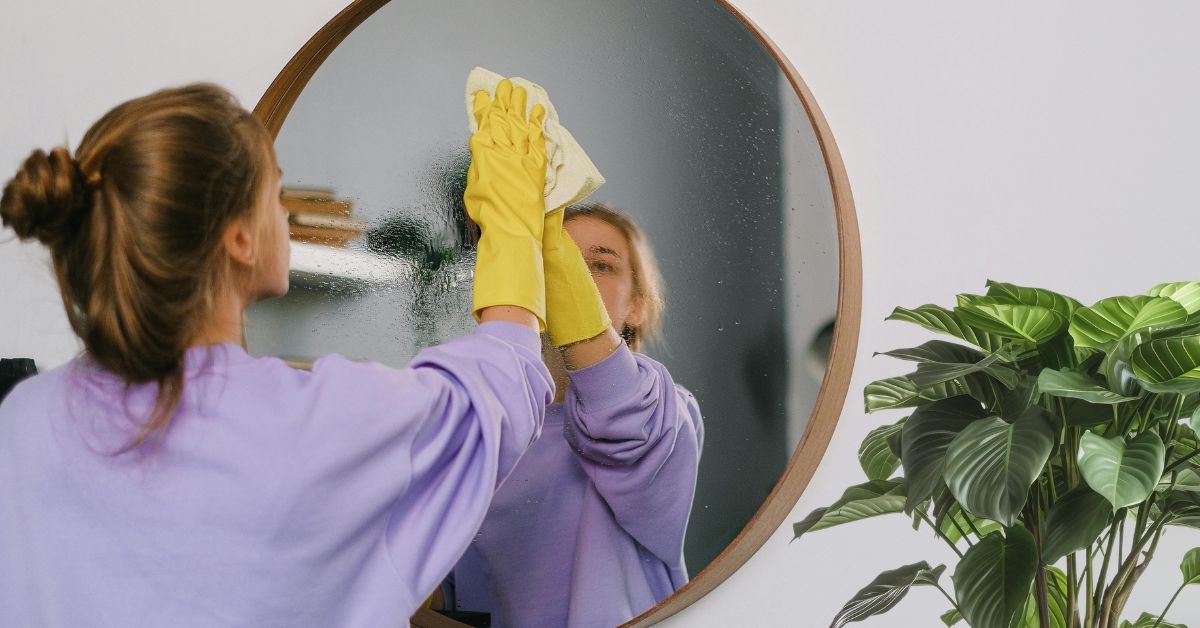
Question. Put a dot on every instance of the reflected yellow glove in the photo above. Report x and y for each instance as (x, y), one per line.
(505, 197)
(574, 308)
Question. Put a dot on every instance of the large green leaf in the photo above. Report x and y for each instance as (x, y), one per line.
(1115, 368)
(900, 392)
(1034, 296)
(1186, 442)
(1077, 386)
(1104, 323)
(1194, 422)
(951, 617)
(1123, 472)
(1059, 352)
(885, 591)
(1182, 508)
(993, 578)
(1017, 401)
(938, 319)
(984, 388)
(924, 439)
(991, 464)
(965, 368)
(1029, 323)
(1056, 602)
(1184, 479)
(1185, 293)
(862, 501)
(1116, 365)
(956, 521)
(938, 351)
(1078, 412)
(1191, 566)
(875, 456)
(1075, 521)
(1146, 620)
(940, 361)
(1168, 364)
(934, 373)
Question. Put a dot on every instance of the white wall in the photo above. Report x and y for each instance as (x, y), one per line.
(1072, 123)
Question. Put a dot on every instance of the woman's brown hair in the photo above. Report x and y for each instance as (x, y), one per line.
(133, 222)
(647, 281)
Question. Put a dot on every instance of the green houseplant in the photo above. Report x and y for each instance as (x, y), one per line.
(1049, 444)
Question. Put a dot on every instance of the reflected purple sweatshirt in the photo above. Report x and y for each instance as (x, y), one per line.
(278, 497)
(588, 529)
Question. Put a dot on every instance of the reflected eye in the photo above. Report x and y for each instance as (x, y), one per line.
(597, 266)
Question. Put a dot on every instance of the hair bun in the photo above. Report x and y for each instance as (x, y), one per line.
(45, 200)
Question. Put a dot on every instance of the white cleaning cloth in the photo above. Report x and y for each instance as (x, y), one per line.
(570, 174)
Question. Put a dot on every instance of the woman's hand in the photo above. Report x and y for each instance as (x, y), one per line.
(575, 312)
(505, 197)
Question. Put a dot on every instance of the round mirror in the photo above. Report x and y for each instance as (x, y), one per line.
(708, 140)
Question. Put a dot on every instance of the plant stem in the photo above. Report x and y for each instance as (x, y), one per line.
(1176, 410)
(1070, 437)
(1181, 461)
(1053, 488)
(1164, 613)
(1142, 516)
(948, 597)
(971, 524)
(1039, 582)
(961, 531)
(1100, 588)
(1072, 616)
(1118, 605)
(1127, 587)
(1091, 556)
(1118, 589)
(1110, 591)
(1137, 412)
(938, 532)
(1121, 539)
(1154, 543)
(1091, 607)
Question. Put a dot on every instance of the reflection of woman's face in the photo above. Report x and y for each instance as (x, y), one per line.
(606, 252)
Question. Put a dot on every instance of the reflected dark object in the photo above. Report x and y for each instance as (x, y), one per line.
(765, 373)
(411, 238)
(12, 371)
(430, 243)
(818, 350)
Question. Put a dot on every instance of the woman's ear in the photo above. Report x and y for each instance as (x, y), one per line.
(637, 312)
(239, 241)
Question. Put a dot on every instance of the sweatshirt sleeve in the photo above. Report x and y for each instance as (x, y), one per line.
(491, 411)
(418, 452)
(638, 436)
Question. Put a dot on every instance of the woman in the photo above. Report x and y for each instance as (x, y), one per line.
(588, 530)
(167, 478)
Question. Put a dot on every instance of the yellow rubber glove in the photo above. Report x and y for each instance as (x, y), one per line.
(505, 197)
(574, 308)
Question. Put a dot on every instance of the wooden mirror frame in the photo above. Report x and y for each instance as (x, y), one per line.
(277, 102)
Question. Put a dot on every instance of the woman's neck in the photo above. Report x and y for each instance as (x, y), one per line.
(225, 322)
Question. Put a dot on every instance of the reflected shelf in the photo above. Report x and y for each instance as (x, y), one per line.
(319, 266)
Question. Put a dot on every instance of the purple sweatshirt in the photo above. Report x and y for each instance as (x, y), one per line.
(278, 497)
(588, 529)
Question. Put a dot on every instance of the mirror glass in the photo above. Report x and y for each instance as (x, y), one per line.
(702, 140)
